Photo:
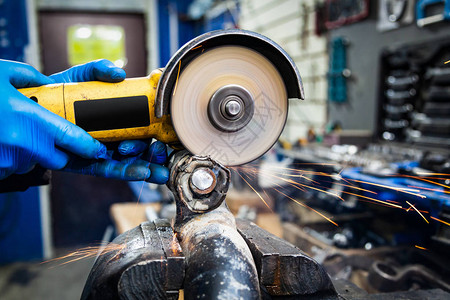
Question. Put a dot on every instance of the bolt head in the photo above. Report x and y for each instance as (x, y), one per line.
(202, 179)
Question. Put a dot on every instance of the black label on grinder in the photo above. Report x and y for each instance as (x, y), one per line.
(112, 113)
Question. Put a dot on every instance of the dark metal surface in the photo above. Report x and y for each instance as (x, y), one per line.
(147, 264)
(266, 47)
(388, 278)
(284, 269)
(219, 263)
(350, 291)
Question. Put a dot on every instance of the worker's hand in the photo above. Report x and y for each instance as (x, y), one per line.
(102, 70)
(30, 134)
(133, 160)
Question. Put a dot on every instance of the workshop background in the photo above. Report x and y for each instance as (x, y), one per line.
(373, 130)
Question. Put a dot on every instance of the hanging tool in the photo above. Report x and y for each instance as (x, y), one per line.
(425, 11)
(338, 72)
(223, 94)
(393, 14)
(344, 12)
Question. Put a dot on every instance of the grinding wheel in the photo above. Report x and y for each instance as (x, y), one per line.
(229, 103)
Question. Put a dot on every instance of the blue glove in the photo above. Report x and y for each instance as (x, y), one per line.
(101, 69)
(30, 134)
(134, 160)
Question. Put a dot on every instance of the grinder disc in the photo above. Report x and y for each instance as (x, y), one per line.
(231, 72)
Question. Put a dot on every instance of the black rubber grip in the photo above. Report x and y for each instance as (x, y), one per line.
(112, 113)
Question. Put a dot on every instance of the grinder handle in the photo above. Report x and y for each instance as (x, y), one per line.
(108, 111)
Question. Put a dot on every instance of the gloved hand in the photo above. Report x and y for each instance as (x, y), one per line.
(134, 160)
(30, 134)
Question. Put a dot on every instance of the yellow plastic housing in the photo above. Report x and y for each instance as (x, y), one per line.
(60, 98)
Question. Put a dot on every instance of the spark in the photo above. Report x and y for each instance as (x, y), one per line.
(197, 47)
(306, 206)
(448, 61)
(422, 211)
(303, 172)
(352, 187)
(310, 187)
(140, 193)
(392, 201)
(421, 248)
(429, 189)
(389, 187)
(373, 199)
(141, 190)
(409, 208)
(255, 191)
(413, 207)
(87, 252)
(432, 174)
(268, 197)
(375, 203)
(435, 178)
(443, 222)
(178, 75)
(341, 171)
(426, 180)
(289, 175)
(298, 186)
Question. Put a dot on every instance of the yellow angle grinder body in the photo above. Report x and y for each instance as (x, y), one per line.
(224, 94)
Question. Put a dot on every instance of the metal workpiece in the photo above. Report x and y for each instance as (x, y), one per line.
(145, 262)
(283, 269)
(219, 264)
(207, 254)
(198, 183)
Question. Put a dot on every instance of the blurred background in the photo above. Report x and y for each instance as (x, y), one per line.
(374, 124)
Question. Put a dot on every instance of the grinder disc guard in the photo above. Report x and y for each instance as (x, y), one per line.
(229, 103)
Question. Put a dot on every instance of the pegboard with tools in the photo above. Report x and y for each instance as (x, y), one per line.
(414, 94)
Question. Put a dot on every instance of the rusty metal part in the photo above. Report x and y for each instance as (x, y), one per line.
(183, 166)
(219, 263)
(283, 269)
(387, 278)
(235, 37)
(143, 263)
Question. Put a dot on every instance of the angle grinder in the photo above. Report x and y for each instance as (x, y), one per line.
(224, 95)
